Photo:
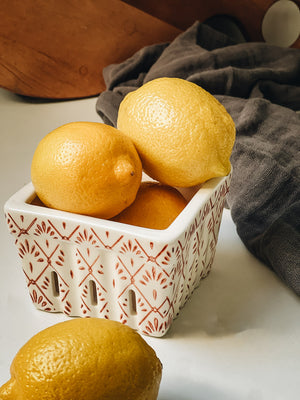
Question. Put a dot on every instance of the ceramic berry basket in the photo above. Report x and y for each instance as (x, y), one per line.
(89, 267)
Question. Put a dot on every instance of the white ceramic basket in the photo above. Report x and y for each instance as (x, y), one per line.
(89, 267)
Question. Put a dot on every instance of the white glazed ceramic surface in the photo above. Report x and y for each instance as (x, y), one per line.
(89, 267)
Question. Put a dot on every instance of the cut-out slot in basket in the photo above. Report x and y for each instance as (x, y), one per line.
(89, 267)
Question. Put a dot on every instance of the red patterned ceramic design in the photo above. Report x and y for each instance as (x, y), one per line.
(88, 267)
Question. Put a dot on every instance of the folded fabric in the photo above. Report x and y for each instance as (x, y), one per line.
(259, 86)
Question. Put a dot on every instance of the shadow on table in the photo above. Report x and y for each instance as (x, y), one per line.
(201, 391)
(238, 294)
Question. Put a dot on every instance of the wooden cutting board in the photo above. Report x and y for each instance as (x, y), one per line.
(57, 49)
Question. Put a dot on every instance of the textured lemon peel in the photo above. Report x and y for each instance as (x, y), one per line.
(84, 359)
(183, 134)
(86, 168)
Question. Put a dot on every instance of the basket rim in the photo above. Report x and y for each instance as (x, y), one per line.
(20, 202)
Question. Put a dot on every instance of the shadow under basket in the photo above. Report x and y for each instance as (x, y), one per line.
(90, 267)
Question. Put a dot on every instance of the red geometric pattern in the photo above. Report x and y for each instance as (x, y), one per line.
(85, 270)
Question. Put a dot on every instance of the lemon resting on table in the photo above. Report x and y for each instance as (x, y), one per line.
(84, 359)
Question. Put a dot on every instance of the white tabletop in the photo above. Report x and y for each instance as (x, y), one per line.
(237, 338)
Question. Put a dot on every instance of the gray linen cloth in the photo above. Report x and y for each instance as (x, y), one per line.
(259, 86)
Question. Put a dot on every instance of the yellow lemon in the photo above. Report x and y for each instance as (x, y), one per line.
(184, 136)
(156, 206)
(86, 168)
(84, 359)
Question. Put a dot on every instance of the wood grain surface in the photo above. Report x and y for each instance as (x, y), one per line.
(58, 49)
